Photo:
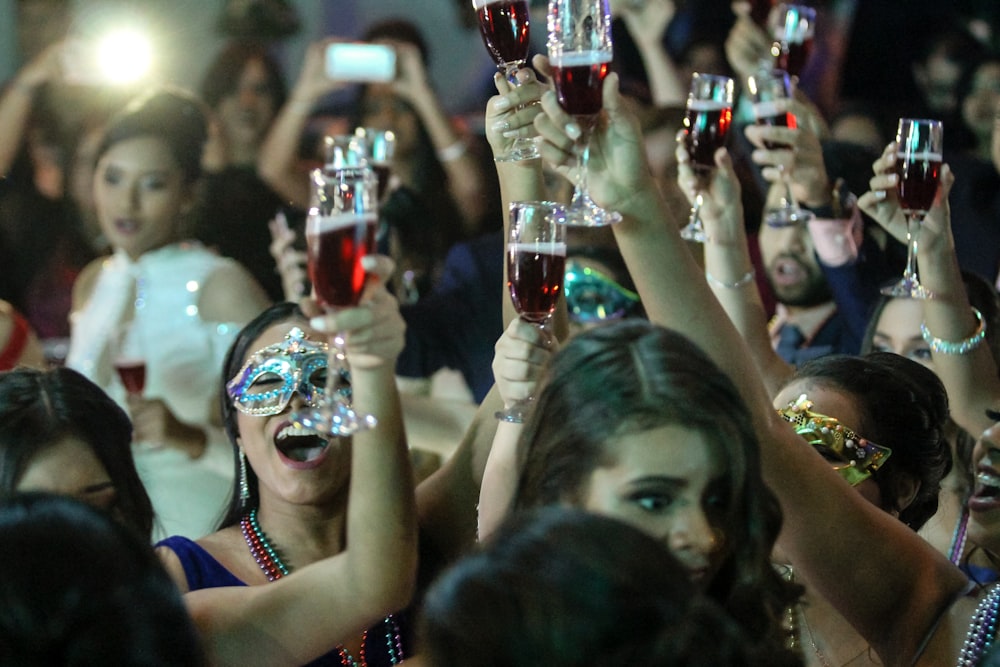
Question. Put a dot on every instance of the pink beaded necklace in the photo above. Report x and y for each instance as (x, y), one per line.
(274, 568)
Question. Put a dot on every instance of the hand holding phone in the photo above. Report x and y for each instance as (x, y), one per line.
(368, 63)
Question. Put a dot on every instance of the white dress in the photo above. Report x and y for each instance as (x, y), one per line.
(183, 355)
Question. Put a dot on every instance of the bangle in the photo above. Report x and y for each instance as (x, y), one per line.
(962, 346)
(745, 279)
(452, 152)
(508, 417)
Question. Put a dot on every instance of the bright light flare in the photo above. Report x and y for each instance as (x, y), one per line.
(124, 56)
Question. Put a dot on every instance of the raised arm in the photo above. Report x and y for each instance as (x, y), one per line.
(18, 100)
(646, 22)
(298, 618)
(899, 585)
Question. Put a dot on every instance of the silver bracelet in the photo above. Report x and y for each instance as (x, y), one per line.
(960, 347)
(745, 279)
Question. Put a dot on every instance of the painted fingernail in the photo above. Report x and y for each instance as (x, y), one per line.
(318, 323)
(368, 263)
(501, 104)
(893, 178)
(880, 195)
(511, 134)
(500, 125)
(573, 130)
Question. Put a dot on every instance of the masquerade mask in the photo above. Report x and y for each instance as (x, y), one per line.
(853, 457)
(591, 296)
(265, 384)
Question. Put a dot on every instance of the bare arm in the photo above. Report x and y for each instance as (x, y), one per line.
(18, 100)
(646, 23)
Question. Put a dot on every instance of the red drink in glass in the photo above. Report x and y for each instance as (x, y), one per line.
(759, 11)
(132, 373)
(793, 56)
(335, 246)
(504, 27)
(918, 180)
(579, 77)
(706, 126)
(382, 172)
(767, 113)
(535, 273)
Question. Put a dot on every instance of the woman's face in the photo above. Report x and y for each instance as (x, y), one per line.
(248, 110)
(140, 194)
(898, 331)
(293, 464)
(670, 483)
(984, 503)
(980, 103)
(69, 467)
(833, 403)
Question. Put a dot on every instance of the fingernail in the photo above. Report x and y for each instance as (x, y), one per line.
(368, 263)
(893, 178)
(573, 130)
(318, 323)
(880, 195)
(511, 134)
(500, 125)
(501, 104)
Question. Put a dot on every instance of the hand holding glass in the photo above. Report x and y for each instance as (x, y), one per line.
(580, 52)
(536, 267)
(919, 147)
(793, 28)
(706, 125)
(129, 361)
(340, 231)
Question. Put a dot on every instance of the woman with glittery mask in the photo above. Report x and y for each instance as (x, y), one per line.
(181, 303)
(320, 539)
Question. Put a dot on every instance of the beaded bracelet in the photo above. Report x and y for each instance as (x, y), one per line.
(745, 279)
(960, 347)
(509, 418)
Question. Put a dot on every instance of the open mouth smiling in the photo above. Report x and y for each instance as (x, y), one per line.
(300, 447)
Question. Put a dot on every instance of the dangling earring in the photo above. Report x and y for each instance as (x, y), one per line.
(244, 483)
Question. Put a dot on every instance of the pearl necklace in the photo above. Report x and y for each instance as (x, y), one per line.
(982, 629)
(274, 568)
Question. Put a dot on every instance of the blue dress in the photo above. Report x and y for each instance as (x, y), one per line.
(203, 571)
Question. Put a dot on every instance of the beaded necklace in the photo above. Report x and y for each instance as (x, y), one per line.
(274, 568)
(959, 537)
(982, 629)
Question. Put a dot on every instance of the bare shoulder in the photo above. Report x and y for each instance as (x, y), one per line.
(231, 294)
(85, 282)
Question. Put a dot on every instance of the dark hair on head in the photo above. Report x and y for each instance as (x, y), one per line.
(558, 587)
(223, 75)
(902, 406)
(631, 376)
(40, 408)
(168, 113)
(243, 345)
(399, 30)
(80, 589)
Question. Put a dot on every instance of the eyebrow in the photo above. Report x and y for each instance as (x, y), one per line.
(97, 488)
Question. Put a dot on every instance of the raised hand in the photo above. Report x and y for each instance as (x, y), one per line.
(520, 354)
(510, 114)
(721, 207)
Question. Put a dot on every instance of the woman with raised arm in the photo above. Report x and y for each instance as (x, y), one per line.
(901, 595)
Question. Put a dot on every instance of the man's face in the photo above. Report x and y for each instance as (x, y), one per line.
(790, 263)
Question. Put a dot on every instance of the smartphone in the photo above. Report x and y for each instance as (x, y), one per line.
(351, 61)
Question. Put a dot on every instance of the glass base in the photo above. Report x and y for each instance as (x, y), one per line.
(524, 148)
(787, 217)
(908, 288)
(584, 212)
(517, 412)
(338, 420)
(694, 232)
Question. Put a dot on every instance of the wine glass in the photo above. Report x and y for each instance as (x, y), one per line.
(128, 359)
(765, 89)
(340, 231)
(792, 28)
(760, 10)
(376, 148)
(919, 145)
(504, 25)
(706, 125)
(580, 54)
(536, 267)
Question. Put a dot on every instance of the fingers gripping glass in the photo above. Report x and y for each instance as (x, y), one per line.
(766, 89)
(536, 268)
(707, 119)
(580, 52)
(340, 232)
(919, 147)
(504, 26)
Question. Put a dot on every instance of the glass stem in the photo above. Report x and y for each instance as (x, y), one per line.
(912, 235)
(510, 73)
(336, 364)
(580, 190)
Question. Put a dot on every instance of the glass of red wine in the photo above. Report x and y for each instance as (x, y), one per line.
(766, 89)
(707, 119)
(504, 25)
(580, 52)
(376, 148)
(340, 231)
(129, 361)
(919, 147)
(536, 267)
(793, 28)
(760, 10)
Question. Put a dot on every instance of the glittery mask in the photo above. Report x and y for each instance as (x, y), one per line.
(266, 383)
(852, 456)
(591, 296)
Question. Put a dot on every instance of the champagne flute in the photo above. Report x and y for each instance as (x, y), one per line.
(536, 267)
(760, 10)
(765, 89)
(580, 54)
(340, 231)
(706, 125)
(504, 25)
(376, 148)
(919, 147)
(128, 360)
(793, 28)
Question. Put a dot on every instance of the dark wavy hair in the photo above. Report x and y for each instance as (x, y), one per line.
(630, 376)
(40, 408)
(902, 406)
(558, 587)
(169, 113)
(224, 73)
(81, 589)
(243, 345)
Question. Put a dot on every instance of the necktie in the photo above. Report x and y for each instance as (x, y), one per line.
(789, 339)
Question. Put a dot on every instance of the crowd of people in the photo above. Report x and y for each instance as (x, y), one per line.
(738, 452)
